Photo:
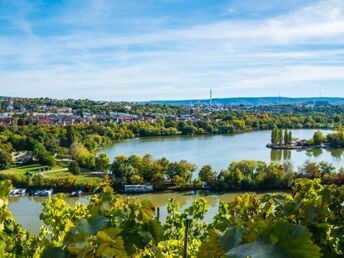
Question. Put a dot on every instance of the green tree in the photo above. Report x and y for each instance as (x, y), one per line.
(102, 162)
(318, 138)
(5, 159)
(43, 156)
(206, 174)
(39, 151)
(49, 160)
(274, 136)
(230, 180)
(181, 170)
(290, 137)
(280, 136)
(74, 168)
(82, 155)
(311, 169)
(286, 136)
(70, 135)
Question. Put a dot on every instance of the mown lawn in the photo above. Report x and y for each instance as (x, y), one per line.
(57, 171)
(21, 170)
(83, 178)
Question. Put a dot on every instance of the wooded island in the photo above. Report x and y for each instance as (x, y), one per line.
(283, 139)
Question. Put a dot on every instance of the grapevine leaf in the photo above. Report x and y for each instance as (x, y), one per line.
(211, 247)
(156, 230)
(294, 240)
(54, 252)
(231, 238)
(90, 226)
(259, 249)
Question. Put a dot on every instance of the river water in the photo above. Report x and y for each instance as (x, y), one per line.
(216, 150)
(26, 209)
(219, 150)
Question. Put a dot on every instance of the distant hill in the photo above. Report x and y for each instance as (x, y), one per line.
(251, 101)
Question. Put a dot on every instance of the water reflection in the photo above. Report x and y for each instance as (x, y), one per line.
(286, 155)
(278, 155)
(337, 153)
(185, 198)
(314, 153)
(39, 199)
(26, 209)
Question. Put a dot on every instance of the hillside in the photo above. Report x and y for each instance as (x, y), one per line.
(252, 101)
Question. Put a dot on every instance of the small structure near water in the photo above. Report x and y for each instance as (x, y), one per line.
(76, 193)
(18, 191)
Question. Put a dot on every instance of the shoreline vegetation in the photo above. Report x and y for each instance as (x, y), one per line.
(282, 139)
(75, 170)
(165, 175)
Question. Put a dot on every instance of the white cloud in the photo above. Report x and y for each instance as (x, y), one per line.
(294, 48)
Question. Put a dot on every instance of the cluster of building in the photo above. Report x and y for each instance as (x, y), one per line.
(42, 118)
(39, 118)
(264, 108)
(49, 113)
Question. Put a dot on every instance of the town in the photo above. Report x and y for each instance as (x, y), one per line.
(44, 111)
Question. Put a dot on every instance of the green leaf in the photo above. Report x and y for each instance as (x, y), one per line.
(231, 238)
(211, 247)
(91, 226)
(294, 240)
(258, 249)
(54, 252)
(156, 230)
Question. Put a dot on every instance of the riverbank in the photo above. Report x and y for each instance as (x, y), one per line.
(30, 191)
(299, 147)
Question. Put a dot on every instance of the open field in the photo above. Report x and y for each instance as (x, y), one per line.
(22, 170)
(59, 171)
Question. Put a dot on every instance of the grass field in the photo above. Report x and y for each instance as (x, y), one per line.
(21, 170)
(59, 171)
(84, 177)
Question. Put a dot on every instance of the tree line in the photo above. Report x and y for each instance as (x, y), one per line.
(240, 175)
(165, 174)
(334, 140)
(281, 137)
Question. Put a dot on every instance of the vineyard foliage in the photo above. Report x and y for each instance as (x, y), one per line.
(308, 222)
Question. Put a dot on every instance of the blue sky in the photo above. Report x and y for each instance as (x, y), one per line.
(171, 49)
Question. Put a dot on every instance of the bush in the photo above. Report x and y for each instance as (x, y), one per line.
(74, 168)
(5, 159)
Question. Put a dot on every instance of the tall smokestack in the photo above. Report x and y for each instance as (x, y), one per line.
(211, 97)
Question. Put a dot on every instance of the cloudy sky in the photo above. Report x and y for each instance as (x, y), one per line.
(171, 49)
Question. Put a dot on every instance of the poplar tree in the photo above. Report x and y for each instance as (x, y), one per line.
(280, 137)
(274, 135)
(290, 137)
(286, 137)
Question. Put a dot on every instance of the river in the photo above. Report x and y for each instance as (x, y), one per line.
(216, 150)
(219, 150)
(26, 209)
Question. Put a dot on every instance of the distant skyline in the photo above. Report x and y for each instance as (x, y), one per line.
(171, 49)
